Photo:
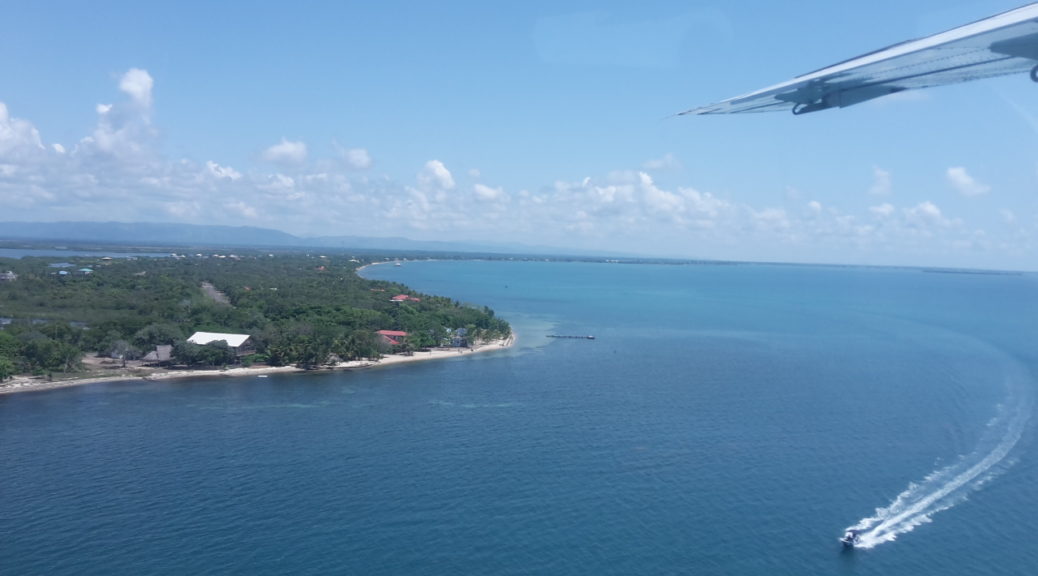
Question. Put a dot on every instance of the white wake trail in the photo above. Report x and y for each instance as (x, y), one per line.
(948, 486)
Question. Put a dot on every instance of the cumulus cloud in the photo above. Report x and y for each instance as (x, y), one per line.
(118, 172)
(435, 175)
(225, 172)
(926, 217)
(882, 210)
(241, 208)
(279, 183)
(964, 183)
(137, 83)
(124, 132)
(771, 219)
(17, 137)
(927, 210)
(286, 152)
(881, 182)
(668, 161)
(484, 192)
(657, 200)
(182, 210)
(357, 158)
(626, 204)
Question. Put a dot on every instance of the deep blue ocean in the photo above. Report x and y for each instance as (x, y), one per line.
(727, 419)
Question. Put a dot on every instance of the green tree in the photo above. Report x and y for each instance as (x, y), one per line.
(212, 354)
(156, 334)
(42, 354)
(6, 368)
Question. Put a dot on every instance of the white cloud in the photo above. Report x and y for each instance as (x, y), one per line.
(927, 210)
(118, 173)
(286, 152)
(17, 137)
(484, 192)
(138, 84)
(182, 210)
(668, 161)
(278, 183)
(627, 204)
(883, 210)
(704, 204)
(225, 172)
(242, 209)
(435, 174)
(659, 201)
(124, 132)
(964, 183)
(881, 182)
(926, 217)
(357, 158)
(771, 219)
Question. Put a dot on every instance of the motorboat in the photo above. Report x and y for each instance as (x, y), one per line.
(851, 538)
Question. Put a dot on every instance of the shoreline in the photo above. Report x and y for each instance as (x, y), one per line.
(35, 383)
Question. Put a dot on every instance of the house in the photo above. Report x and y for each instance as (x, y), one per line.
(459, 339)
(391, 337)
(240, 343)
(405, 298)
(8, 276)
(162, 354)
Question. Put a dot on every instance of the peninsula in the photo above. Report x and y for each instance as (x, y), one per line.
(84, 319)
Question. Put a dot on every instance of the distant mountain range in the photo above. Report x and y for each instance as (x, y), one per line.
(164, 234)
(145, 234)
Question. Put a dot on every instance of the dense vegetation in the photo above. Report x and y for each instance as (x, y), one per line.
(298, 309)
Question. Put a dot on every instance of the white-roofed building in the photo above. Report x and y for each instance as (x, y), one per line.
(238, 342)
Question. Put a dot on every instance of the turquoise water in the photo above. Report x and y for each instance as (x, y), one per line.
(725, 420)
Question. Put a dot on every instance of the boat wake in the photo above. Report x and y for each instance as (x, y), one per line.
(948, 486)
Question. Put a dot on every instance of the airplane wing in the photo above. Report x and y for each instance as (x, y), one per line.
(1006, 43)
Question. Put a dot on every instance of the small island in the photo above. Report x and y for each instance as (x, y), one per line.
(65, 321)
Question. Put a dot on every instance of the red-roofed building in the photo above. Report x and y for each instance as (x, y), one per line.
(405, 298)
(391, 337)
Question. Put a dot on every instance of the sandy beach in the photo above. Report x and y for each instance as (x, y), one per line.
(32, 383)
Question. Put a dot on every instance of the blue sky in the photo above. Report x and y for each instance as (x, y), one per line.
(543, 123)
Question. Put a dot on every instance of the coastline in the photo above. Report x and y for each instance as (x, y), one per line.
(32, 383)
